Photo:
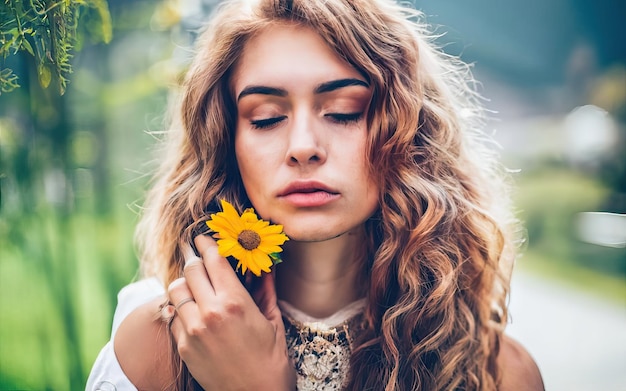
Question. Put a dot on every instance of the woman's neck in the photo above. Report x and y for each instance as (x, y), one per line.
(320, 278)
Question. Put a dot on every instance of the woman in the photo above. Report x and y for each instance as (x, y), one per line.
(339, 121)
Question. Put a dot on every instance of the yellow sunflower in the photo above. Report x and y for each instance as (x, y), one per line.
(253, 242)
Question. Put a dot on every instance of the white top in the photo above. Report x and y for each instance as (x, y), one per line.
(106, 373)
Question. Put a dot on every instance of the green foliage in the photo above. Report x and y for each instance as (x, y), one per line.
(550, 200)
(69, 166)
(59, 276)
(8, 80)
(48, 31)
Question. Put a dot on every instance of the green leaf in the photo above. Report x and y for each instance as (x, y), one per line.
(26, 45)
(44, 74)
(105, 18)
(5, 48)
(276, 259)
(8, 80)
(47, 30)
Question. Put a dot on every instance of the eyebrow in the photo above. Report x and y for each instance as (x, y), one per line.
(320, 89)
(337, 84)
(263, 90)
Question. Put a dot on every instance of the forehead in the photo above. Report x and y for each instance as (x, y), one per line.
(286, 54)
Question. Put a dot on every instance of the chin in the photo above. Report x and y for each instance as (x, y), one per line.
(308, 235)
(312, 235)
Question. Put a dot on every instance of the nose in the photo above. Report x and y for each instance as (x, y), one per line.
(306, 142)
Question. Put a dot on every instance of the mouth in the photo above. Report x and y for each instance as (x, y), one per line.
(306, 187)
(308, 194)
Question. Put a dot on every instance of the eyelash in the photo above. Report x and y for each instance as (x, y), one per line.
(344, 119)
(339, 118)
(266, 123)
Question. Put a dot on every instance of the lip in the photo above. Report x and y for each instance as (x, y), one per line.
(308, 194)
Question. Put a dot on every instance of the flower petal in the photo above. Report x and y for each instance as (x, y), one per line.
(243, 267)
(225, 226)
(226, 247)
(228, 209)
(239, 253)
(269, 249)
(251, 264)
(228, 225)
(249, 217)
(259, 225)
(262, 260)
(275, 240)
(272, 229)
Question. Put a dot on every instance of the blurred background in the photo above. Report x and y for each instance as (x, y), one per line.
(79, 116)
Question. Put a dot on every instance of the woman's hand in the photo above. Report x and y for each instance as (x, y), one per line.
(227, 339)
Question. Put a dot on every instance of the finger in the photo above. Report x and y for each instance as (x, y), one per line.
(167, 311)
(221, 274)
(182, 299)
(265, 295)
(197, 278)
(177, 329)
(267, 300)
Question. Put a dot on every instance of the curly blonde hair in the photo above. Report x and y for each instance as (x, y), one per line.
(442, 244)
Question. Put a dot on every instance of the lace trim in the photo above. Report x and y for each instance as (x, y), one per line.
(321, 352)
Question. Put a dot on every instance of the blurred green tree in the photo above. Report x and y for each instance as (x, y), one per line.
(38, 39)
(65, 247)
(48, 31)
(609, 92)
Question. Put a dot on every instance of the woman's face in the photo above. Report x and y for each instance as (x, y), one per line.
(301, 134)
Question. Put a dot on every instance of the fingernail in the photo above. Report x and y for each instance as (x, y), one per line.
(188, 252)
(176, 283)
(192, 260)
(167, 312)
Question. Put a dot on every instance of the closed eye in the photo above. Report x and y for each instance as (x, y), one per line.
(344, 118)
(266, 123)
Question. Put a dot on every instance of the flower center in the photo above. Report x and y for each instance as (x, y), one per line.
(249, 239)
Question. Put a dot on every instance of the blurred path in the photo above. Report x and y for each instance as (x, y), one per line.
(578, 340)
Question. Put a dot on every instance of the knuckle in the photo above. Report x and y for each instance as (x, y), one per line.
(233, 308)
(177, 285)
(193, 266)
(209, 253)
(229, 309)
(212, 317)
(195, 330)
(184, 347)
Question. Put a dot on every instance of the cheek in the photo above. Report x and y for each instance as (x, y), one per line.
(245, 156)
(254, 164)
(357, 160)
(362, 170)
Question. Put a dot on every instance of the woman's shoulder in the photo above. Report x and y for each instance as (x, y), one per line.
(135, 329)
(518, 369)
(132, 296)
(143, 348)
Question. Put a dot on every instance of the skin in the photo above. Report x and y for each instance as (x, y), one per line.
(298, 120)
(287, 125)
(232, 341)
(228, 339)
(301, 116)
